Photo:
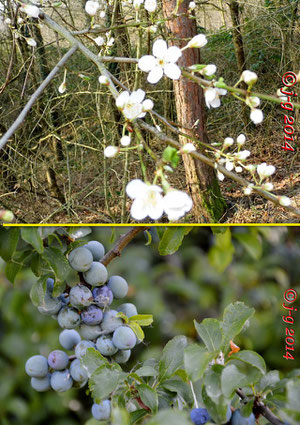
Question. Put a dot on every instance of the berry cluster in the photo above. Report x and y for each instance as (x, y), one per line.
(85, 306)
(200, 416)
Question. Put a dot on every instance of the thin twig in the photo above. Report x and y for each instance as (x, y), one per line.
(260, 408)
(120, 245)
(34, 97)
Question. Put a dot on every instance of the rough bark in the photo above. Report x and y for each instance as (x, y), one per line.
(189, 98)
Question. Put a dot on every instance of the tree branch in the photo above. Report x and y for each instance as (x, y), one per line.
(260, 408)
(4, 139)
(121, 244)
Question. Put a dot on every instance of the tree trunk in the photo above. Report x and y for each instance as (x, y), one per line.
(200, 178)
(237, 37)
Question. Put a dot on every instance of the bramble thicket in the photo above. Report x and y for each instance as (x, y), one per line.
(138, 148)
(149, 326)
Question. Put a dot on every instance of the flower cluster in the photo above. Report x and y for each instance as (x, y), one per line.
(133, 105)
(149, 5)
(237, 161)
(149, 201)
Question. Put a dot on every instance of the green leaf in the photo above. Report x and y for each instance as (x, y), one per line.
(58, 262)
(137, 330)
(142, 319)
(212, 394)
(137, 415)
(123, 317)
(92, 360)
(234, 318)
(8, 242)
(179, 387)
(252, 243)
(38, 290)
(119, 416)
(11, 270)
(218, 229)
(148, 396)
(237, 375)
(252, 358)
(171, 155)
(196, 359)
(170, 416)
(293, 391)
(149, 237)
(221, 254)
(172, 239)
(172, 357)
(210, 332)
(78, 232)
(269, 380)
(32, 236)
(104, 381)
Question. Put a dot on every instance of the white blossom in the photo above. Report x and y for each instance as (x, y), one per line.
(153, 29)
(209, 70)
(249, 189)
(241, 139)
(7, 21)
(256, 116)
(284, 201)
(132, 105)
(229, 165)
(192, 5)
(20, 21)
(31, 10)
(251, 168)
(99, 41)
(268, 186)
(212, 96)
(31, 42)
(103, 80)
(161, 62)
(228, 141)
(137, 3)
(125, 140)
(147, 105)
(110, 41)
(188, 148)
(111, 151)
(242, 155)
(91, 7)
(102, 14)
(148, 200)
(264, 170)
(238, 169)
(199, 40)
(150, 5)
(176, 203)
(252, 101)
(249, 77)
(62, 88)
(220, 175)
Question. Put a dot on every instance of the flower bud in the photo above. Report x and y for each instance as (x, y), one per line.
(62, 88)
(31, 10)
(125, 140)
(284, 201)
(199, 40)
(248, 190)
(188, 148)
(249, 77)
(228, 141)
(103, 80)
(241, 139)
(147, 105)
(111, 151)
(256, 116)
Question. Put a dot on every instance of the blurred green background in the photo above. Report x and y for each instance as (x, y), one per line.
(176, 289)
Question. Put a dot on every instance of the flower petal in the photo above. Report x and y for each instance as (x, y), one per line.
(172, 54)
(122, 99)
(135, 188)
(172, 71)
(138, 209)
(147, 62)
(160, 48)
(137, 96)
(155, 74)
